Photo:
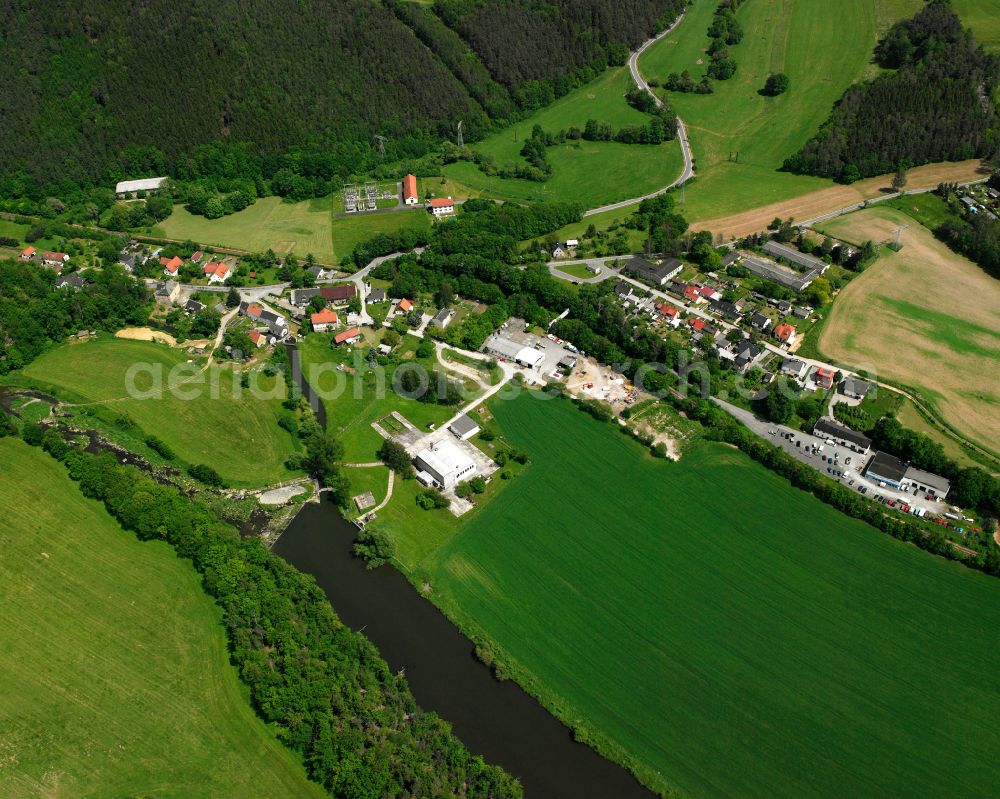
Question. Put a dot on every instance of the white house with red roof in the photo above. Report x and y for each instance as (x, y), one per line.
(28, 253)
(823, 377)
(442, 207)
(197, 255)
(54, 258)
(669, 313)
(216, 271)
(709, 293)
(404, 306)
(171, 266)
(258, 338)
(785, 333)
(410, 190)
(323, 320)
(350, 336)
(691, 293)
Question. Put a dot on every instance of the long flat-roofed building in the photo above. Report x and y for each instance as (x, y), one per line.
(126, 187)
(444, 464)
(839, 434)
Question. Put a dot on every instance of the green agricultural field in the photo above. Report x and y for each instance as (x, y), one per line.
(117, 679)
(239, 437)
(983, 16)
(823, 47)
(928, 209)
(300, 228)
(727, 634)
(12, 230)
(590, 173)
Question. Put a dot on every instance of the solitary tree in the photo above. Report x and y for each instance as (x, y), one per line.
(232, 297)
(899, 179)
(776, 84)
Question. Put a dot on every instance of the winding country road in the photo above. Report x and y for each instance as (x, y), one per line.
(688, 171)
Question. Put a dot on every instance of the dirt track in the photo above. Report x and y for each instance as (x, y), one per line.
(148, 334)
(824, 201)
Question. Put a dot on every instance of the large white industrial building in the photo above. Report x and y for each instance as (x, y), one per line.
(444, 464)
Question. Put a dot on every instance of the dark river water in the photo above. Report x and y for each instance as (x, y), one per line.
(494, 719)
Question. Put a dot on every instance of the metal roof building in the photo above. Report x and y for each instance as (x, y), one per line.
(144, 184)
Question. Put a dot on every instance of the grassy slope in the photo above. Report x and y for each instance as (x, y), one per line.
(351, 231)
(735, 635)
(116, 673)
(949, 350)
(240, 438)
(983, 16)
(301, 228)
(591, 173)
(823, 47)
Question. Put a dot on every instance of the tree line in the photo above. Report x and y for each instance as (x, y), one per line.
(34, 315)
(354, 723)
(935, 105)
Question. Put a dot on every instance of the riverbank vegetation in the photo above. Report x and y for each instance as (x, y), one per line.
(204, 416)
(122, 674)
(355, 724)
(694, 637)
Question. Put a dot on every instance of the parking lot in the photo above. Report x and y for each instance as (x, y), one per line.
(553, 351)
(838, 463)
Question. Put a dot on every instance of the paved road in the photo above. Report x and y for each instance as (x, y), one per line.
(688, 171)
(867, 203)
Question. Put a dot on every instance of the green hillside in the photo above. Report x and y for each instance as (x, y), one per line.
(728, 634)
(93, 91)
(117, 679)
(588, 172)
(741, 138)
(231, 429)
(983, 16)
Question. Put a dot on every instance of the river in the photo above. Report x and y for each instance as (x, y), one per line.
(495, 719)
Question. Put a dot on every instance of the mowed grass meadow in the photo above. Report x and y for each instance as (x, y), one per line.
(301, 228)
(822, 46)
(924, 317)
(983, 16)
(238, 435)
(115, 668)
(727, 634)
(589, 173)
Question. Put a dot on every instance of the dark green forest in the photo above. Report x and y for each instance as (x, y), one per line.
(95, 91)
(933, 105)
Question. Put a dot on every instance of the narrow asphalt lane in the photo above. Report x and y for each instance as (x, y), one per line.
(688, 170)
